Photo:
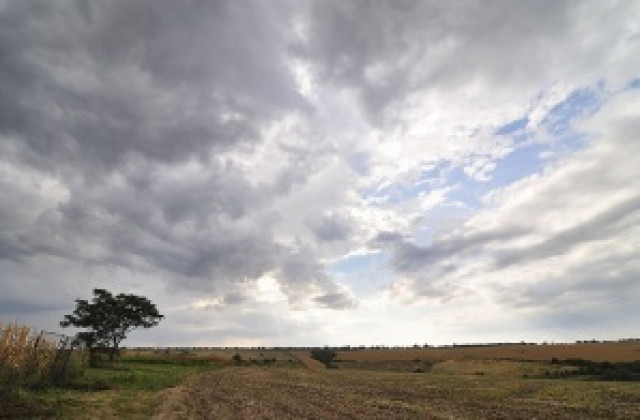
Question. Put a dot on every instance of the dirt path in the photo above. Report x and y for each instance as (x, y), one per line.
(307, 361)
(287, 393)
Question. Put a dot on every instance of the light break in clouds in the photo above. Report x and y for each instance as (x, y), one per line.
(324, 172)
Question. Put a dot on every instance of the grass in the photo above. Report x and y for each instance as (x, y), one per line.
(131, 389)
(384, 384)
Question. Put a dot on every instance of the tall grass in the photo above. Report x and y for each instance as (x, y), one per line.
(29, 358)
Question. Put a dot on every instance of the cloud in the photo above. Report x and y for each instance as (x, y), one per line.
(223, 156)
(140, 114)
(388, 51)
(331, 227)
(335, 300)
(570, 230)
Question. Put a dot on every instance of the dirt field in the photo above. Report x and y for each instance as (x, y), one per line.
(276, 393)
(304, 357)
(613, 352)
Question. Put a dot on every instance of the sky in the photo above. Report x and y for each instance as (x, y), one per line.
(307, 173)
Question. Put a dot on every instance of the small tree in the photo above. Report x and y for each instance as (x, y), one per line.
(108, 319)
(324, 356)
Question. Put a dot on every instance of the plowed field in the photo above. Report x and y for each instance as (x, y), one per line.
(613, 352)
(277, 393)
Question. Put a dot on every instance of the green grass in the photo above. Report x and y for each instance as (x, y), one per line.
(142, 376)
(131, 389)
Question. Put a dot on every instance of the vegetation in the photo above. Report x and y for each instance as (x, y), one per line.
(131, 389)
(29, 358)
(451, 389)
(324, 356)
(108, 319)
(606, 371)
(454, 383)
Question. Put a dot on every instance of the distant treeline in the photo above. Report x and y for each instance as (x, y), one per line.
(386, 347)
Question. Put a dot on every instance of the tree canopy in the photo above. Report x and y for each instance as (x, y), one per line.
(108, 318)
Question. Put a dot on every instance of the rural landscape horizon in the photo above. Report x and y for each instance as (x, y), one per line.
(324, 209)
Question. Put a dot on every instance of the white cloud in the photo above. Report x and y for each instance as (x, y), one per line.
(221, 161)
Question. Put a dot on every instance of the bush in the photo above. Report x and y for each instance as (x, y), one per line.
(608, 371)
(324, 356)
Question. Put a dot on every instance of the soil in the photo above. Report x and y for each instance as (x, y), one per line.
(277, 393)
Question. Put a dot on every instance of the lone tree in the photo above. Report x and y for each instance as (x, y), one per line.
(324, 356)
(108, 319)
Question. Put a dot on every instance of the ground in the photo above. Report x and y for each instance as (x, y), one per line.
(452, 390)
(463, 382)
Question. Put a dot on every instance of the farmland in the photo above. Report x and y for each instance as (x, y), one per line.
(450, 392)
(613, 352)
(512, 381)
(506, 381)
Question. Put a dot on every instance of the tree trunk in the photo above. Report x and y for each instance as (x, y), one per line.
(114, 351)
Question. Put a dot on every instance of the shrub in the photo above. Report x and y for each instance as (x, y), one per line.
(324, 356)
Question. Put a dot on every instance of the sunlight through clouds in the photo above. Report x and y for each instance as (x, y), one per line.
(324, 172)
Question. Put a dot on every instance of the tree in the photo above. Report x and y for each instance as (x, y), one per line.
(324, 356)
(108, 319)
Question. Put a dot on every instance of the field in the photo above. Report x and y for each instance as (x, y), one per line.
(250, 392)
(613, 352)
(514, 381)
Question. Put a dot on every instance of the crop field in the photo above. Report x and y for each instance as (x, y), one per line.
(457, 382)
(613, 352)
(449, 392)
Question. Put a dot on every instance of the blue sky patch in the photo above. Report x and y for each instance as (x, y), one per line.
(512, 127)
(579, 104)
(365, 273)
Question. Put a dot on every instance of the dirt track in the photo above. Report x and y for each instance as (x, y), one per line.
(277, 393)
(307, 361)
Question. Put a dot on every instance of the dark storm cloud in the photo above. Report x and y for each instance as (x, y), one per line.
(387, 49)
(91, 85)
(196, 147)
(114, 101)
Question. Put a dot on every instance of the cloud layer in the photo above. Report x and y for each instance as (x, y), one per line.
(268, 166)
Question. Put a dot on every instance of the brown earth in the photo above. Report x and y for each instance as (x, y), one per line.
(281, 393)
(613, 352)
(307, 361)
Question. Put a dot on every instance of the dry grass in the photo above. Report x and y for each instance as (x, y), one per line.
(613, 352)
(272, 393)
(23, 354)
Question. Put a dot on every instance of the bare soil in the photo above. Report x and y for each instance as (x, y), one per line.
(613, 352)
(277, 393)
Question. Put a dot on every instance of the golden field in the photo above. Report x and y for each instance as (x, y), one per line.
(613, 352)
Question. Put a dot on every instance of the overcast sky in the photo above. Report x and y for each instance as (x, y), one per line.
(324, 172)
